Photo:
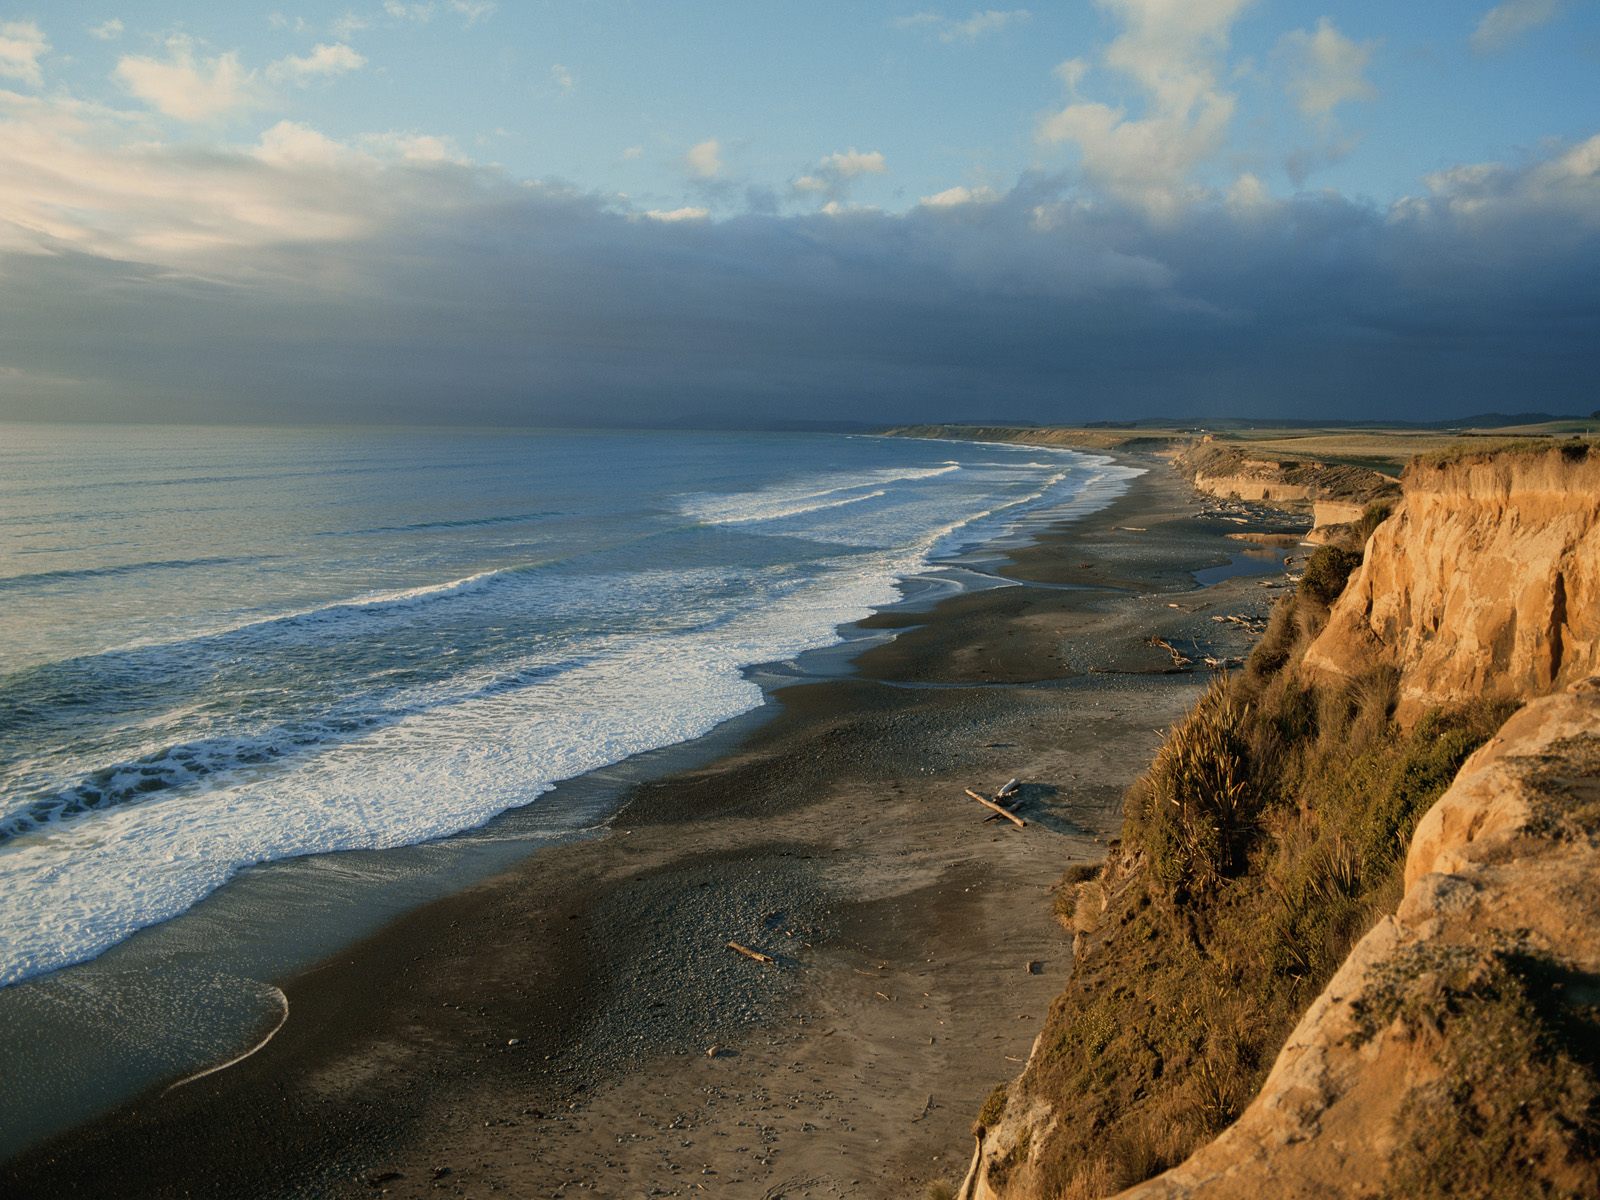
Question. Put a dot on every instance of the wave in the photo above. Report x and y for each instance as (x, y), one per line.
(46, 578)
(427, 526)
(215, 759)
(774, 504)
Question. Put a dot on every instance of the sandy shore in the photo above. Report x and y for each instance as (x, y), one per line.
(546, 1033)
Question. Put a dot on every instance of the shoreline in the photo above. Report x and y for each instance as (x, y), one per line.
(834, 836)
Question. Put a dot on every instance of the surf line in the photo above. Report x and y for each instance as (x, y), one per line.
(283, 1020)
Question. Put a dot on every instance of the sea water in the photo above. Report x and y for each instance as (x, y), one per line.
(224, 647)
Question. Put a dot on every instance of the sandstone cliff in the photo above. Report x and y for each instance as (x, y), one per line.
(1456, 1050)
(1425, 1032)
(1485, 582)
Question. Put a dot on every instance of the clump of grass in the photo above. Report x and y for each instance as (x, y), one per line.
(1327, 571)
(993, 1108)
(1194, 805)
(940, 1190)
(1516, 1110)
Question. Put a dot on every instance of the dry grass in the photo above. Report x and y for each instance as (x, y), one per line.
(1265, 839)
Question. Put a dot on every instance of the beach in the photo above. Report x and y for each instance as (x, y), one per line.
(578, 1023)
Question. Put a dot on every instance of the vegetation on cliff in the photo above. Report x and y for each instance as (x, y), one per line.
(1266, 838)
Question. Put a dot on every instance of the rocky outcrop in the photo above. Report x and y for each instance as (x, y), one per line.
(1502, 881)
(1485, 582)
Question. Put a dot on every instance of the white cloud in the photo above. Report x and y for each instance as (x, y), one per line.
(187, 88)
(958, 196)
(349, 25)
(279, 21)
(562, 78)
(964, 29)
(418, 147)
(850, 163)
(1504, 23)
(107, 31)
(834, 173)
(424, 11)
(704, 160)
(1248, 193)
(631, 153)
(1169, 48)
(679, 214)
(22, 44)
(324, 60)
(1326, 69)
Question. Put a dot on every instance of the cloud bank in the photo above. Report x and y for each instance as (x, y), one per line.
(303, 278)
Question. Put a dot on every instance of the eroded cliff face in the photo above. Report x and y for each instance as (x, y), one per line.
(1456, 1051)
(1485, 582)
(1414, 1063)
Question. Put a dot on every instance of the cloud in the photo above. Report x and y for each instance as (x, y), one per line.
(562, 78)
(1326, 69)
(967, 29)
(1505, 23)
(1168, 48)
(107, 31)
(375, 279)
(679, 214)
(324, 60)
(22, 44)
(349, 25)
(632, 153)
(834, 173)
(957, 196)
(187, 88)
(424, 11)
(704, 159)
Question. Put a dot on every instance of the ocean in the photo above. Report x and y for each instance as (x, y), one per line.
(225, 647)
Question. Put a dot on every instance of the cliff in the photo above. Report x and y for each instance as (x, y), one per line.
(1340, 949)
(1336, 494)
(1453, 1052)
(1484, 582)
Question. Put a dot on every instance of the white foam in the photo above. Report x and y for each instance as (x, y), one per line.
(814, 495)
(466, 751)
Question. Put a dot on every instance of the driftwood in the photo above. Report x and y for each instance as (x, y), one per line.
(1004, 812)
(765, 959)
(1180, 661)
(1010, 789)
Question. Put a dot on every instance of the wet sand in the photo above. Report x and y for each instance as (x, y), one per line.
(577, 1025)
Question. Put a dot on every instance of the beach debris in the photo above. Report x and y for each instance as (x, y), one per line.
(756, 955)
(1004, 812)
(713, 1050)
(1010, 788)
(1222, 664)
(1035, 967)
(1180, 661)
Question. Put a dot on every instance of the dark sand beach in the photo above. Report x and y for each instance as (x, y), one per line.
(577, 1025)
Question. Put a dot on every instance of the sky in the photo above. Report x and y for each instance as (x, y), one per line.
(598, 211)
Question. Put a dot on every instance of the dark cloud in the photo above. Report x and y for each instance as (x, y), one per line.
(461, 295)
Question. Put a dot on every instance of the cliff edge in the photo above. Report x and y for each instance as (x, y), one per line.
(1349, 941)
(1458, 1039)
(1485, 582)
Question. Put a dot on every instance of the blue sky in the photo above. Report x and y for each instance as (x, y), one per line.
(612, 95)
(280, 157)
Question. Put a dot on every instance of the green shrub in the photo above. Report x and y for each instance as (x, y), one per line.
(1327, 570)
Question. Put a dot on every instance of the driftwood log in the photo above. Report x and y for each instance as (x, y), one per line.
(765, 959)
(1004, 812)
